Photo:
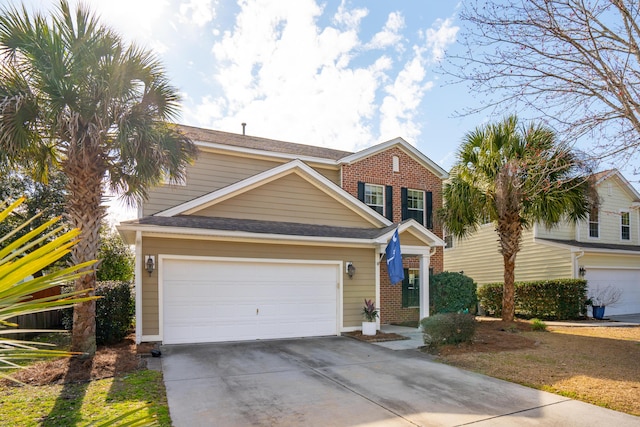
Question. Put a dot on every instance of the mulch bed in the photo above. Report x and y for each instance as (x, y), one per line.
(378, 337)
(109, 361)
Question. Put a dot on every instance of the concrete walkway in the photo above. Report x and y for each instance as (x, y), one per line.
(414, 334)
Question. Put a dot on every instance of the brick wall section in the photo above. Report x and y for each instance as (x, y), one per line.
(378, 169)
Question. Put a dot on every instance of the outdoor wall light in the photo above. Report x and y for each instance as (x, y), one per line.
(150, 264)
(582, 271)
(351, 269)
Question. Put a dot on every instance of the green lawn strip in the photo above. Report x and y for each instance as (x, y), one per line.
(80, 404)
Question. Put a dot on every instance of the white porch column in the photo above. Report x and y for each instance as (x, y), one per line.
(139, 272)
(424, 285)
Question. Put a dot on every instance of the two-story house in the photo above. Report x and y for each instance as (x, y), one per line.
(604, 249)
(271, 239)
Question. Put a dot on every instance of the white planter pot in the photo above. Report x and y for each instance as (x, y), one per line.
(369, 328)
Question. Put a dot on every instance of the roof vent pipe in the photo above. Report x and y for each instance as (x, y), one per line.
(244, 125)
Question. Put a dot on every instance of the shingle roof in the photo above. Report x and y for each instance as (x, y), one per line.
(261, 227)
(253, 142)
(595, 245)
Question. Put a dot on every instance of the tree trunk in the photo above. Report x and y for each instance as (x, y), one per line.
(85, 212)
(508, 289)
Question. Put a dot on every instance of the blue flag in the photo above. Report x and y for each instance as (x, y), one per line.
(394, 259)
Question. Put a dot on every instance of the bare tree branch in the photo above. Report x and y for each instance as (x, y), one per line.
(574, 63)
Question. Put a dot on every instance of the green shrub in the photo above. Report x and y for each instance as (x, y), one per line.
(447, 328)
(490, 298)
(538, 325)
(452, 293)
(114, 312)
(559, 299)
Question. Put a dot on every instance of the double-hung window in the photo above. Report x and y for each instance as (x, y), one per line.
(374, 197)
(625, 226)
(415, 205)
(594, 223)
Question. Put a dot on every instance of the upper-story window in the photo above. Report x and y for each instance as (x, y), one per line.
(374, 197)
(594, 223)
(625, 226)
(377, 197)
(415, 205)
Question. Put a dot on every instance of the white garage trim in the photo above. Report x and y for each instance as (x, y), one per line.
(162, 258)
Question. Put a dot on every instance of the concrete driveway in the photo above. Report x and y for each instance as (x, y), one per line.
(338, 381)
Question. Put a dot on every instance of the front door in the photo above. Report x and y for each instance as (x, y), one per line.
(411, 288)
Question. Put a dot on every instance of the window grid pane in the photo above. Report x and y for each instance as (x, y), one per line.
(374, 197)
(625, 226)
(593, 223)
(415, 205)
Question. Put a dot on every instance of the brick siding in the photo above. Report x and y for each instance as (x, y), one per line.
(378, 169)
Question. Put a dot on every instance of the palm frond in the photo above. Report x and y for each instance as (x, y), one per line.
(20, 260)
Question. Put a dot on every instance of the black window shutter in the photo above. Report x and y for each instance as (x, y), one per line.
(388, 201)
(429, 207)
(405, 209)
(361, 191)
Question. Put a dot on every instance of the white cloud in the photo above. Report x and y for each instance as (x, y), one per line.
(288, 77)
(349, 18)
(390, 34)
(197, 12)
(440, 36)
(137, 21)
(403, 98)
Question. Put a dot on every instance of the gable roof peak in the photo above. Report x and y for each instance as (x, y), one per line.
(403, 145)
(602, 176)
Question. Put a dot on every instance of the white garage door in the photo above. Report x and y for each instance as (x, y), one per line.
(627, 280)
(221, 300)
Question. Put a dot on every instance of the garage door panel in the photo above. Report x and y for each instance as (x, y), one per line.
(210, 300)
(627, 280)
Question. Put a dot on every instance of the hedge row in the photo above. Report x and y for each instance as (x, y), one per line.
(559, 299)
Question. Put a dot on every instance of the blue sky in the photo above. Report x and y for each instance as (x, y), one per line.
(340, 74)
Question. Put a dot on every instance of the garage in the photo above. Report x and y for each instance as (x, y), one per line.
(227, 299)
(628, 280)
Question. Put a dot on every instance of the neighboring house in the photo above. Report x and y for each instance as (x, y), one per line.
(604, 249)
(258, 241)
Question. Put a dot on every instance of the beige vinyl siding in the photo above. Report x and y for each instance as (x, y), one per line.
(537, 261)
(612, 199)
(354, 290)
(479, 258)
(564, 231)
(288, 199)
(408, 239)
(609, 260)
(211, 172)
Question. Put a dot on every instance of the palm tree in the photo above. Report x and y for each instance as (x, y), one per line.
(513, 176)
(74, 97)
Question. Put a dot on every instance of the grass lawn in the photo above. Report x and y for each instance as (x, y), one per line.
(58, 394)
(80, 403)
(597, 365)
